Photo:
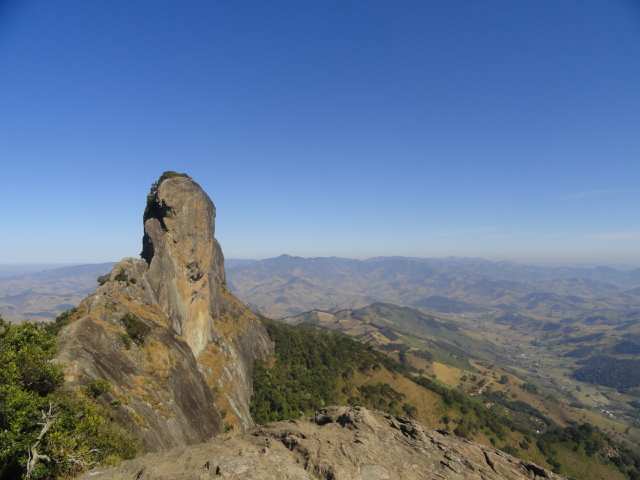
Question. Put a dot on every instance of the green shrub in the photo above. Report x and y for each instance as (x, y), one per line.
(510, 450)
(69, 433)
(165, 176)
(97, 388)
(121, 277)
(60, 322)
(136, 329)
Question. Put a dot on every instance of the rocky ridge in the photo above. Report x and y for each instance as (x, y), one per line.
(176, 346)
(339, 443)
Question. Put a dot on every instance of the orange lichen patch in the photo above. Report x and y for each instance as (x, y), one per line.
(152, 313)
(147, 391)
(139, 419)
(158, 360)
(212, 359)
(236, 316)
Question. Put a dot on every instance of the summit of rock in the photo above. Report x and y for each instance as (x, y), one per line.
(186, 265)
(177, 347)
(339, 443)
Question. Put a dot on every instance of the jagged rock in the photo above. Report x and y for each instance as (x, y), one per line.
(176, 345)
(340, 443)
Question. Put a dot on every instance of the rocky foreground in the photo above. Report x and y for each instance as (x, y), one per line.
(339, 443)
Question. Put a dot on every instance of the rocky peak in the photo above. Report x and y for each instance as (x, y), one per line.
(186, 266)
(177, 347)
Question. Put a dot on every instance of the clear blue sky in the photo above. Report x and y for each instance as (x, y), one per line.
(495, 129)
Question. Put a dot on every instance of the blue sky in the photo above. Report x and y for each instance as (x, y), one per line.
(495, 129)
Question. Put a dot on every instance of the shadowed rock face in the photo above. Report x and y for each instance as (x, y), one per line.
(176, 345)
(340, 443)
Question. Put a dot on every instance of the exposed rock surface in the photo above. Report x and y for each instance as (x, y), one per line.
(340, 443)
(176, 345)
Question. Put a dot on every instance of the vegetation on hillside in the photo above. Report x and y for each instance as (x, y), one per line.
(587, 441)
(47, 431)
(612, 372)
(310, 366)
(314, 367)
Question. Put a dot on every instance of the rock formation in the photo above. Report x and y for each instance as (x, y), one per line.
(176, 345)
(340, 443)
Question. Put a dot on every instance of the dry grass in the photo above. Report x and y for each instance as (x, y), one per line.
(429, 405)
(147, 391)
(212, 359)
(234, 321)
(421, 364)
(151, 313)
(159, 360)
(447, 374)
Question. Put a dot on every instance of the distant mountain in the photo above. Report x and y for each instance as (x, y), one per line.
(444, 305)
(46, 294)
(17, 269)
(286, 285)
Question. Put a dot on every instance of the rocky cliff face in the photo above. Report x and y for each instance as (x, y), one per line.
(340, 443)
(185, 261)
(176, 345)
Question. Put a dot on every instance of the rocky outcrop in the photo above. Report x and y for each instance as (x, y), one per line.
(177, 347)
(340, 443)
(185, 260)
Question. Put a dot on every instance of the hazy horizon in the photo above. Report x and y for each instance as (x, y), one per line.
(8, 270)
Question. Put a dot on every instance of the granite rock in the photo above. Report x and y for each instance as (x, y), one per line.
(339, 443)
(177, 347)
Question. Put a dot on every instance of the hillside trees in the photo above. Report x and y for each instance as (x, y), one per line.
(314, 367)
(610, 372)
(46, 431)
(310, 365)
(589, 441)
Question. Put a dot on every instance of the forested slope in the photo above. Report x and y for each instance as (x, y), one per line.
(314, 367)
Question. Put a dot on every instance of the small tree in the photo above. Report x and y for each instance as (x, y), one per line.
(27, 381)
(47, 432)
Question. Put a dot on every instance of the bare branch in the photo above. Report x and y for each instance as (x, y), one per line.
(34, 457)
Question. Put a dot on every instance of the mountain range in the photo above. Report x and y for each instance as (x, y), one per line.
(285, 286)
(46, 294)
